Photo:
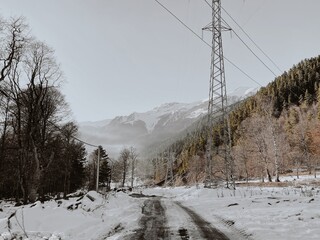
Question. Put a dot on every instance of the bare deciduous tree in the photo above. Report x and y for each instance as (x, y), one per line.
(36, 107)
(133, 158)
(124, 159)
(13, 35)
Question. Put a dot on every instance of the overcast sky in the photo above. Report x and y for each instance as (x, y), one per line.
(120, 56)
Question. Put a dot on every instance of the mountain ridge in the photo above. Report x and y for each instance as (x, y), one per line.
(144, 129)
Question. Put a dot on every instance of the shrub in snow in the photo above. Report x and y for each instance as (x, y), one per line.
(92, 201)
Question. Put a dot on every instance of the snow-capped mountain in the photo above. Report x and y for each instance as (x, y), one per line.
(141, 129)
(163, 115)
(241, 93)
(151, 127)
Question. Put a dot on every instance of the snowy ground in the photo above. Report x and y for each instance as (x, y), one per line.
(262, 213)
(71, 219)
(247, 213)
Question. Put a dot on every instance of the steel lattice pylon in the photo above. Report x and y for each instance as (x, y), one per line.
(217, 107)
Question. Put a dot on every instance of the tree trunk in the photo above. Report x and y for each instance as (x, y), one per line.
(33, 193)
(276, 155)
(269, 175)
(35, 180)
(34, 186)
(4, 134)
(65, 185)
(167, 171)
(132, 173)
(247, 176)
(171, 168)
(23, 190)
(124, 173)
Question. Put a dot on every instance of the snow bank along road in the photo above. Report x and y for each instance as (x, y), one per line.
(165, 219)
(259, 213)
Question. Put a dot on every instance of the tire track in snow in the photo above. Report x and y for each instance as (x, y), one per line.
(180, 223)
(206, 230)
(165, 219)
(153, 222)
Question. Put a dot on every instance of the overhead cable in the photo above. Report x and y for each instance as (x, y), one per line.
(209, 45)
(74, 137)
(247, 46)
(261, 50)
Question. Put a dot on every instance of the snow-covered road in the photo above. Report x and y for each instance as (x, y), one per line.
(258, 213)
(165, 219)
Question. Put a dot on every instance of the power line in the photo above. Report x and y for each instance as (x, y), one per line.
(242, 71)
(209, 45)
(208, 4)
(248, 47)
(79, 140)
(74, 137)
(185, 25)
(263, 52)
(245, 44)
(250, 38)
(291, 91)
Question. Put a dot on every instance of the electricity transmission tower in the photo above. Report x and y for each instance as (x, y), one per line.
(217, 107)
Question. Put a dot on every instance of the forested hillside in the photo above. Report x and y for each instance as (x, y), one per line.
(276, 131)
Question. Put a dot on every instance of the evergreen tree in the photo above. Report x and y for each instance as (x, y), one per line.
(308, 98)
(105, 169)
(78, 170)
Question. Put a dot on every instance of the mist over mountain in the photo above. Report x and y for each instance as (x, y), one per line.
(143, 130)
